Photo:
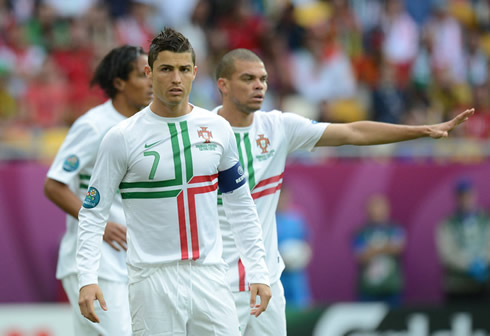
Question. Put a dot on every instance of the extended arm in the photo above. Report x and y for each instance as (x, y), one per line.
(374, 133)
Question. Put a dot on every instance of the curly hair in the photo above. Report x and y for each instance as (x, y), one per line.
(118, 63)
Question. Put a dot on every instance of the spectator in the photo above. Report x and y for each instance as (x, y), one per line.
(446, 36)
(134, 28)
(46, 99)
(464, 249)
(389, 101)
(293, 236)
(378, 247)
(401, 40)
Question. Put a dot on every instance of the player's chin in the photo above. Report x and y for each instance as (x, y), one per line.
(254, 106)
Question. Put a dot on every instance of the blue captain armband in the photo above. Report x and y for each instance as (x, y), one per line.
(231, 179)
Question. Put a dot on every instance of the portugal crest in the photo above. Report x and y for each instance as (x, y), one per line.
(205, 134)
(263, 142)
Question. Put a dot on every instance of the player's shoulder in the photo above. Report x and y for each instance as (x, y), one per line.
(98, 117)
(287, 117)
(272, 118)
(133, 121)
(268, 115)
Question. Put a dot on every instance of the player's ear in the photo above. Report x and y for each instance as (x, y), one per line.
(148, 72)
(119, 84)
(222, 84)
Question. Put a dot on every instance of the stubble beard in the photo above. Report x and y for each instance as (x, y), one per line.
(245, 108)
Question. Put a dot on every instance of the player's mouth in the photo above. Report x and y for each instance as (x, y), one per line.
(258, 98)
(176, 91)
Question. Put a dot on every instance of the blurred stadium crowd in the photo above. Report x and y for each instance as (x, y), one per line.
(412, 61)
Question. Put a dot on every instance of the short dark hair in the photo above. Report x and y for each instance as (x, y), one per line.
(226, 66)
(169, 40)
(118, 63)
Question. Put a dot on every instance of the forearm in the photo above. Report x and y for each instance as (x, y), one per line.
(90, 233)
(375, 133)
(63, 197)
(241, 213)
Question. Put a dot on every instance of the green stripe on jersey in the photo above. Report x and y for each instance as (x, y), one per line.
(250, 163)
(84, 177)
(177, 164)
(238, 144)
(187, 150)
(156, 194)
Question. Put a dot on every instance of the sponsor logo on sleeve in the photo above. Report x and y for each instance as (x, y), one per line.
(72, 162)
(92, 198)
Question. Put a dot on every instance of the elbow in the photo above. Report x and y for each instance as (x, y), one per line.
(51, 188)
(48, 188)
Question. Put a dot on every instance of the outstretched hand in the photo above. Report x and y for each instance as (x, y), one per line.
(264, 292)
(115, 234)
(442, 130)
(88, 294)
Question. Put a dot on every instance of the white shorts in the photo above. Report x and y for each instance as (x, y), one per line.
(272, 322)
(115, 321)
(182, 299)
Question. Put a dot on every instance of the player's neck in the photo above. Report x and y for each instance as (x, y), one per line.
(122, 107)
(236, 117)
(170, 111)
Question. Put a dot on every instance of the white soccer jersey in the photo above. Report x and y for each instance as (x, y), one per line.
(168, 171)
(73, 166)
(263, 148)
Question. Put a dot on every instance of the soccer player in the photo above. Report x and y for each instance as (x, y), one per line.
(264, 140)
(121, 74)
(167, 162)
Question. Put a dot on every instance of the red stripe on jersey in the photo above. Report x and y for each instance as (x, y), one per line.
(183, 233)
(203, 178)
(266, 192)
(241, 276)
(269, 180)
(192, 215)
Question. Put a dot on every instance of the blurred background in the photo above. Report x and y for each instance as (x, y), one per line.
(398, 61)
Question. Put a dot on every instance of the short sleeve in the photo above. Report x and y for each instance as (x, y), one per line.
(78, 150)
(302, 133)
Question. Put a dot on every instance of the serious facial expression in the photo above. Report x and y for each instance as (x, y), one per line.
(172, 77)
(138, 89)
(248, 85)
